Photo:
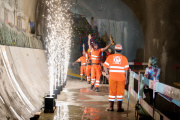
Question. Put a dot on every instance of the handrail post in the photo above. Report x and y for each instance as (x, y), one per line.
(154, 90)
(138, 84)
(138, 94)
(128, 91)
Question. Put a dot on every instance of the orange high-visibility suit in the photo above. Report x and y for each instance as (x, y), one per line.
(96, 67)
(83, 65)
(107, 54)
(88, 67)
(117, 65)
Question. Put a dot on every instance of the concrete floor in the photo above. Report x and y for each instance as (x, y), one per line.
(77, 101)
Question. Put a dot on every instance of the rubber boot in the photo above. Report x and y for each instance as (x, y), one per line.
(85, 78)
(92, 86)
(81, 78)
(97, 89)
(119, 106)
(111, 106)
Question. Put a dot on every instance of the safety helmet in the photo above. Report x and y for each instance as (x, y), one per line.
(118, 47)
(152, 62)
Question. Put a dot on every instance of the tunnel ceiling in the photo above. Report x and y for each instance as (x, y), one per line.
(103, 9)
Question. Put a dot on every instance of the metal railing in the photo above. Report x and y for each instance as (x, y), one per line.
(138, 66)
(164, 90)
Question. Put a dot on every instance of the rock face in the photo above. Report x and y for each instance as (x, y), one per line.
(23, 81)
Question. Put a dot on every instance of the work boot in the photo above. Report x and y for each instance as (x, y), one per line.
(119, 106)
(97, 89)
(81, 79)
(88, 82)
(92, 86)
(111, 105)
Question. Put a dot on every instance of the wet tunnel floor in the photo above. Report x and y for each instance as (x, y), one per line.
(78, 102)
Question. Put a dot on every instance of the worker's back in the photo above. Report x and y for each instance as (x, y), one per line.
(117, 64)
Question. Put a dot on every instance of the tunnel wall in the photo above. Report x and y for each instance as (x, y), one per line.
(18, 12)
(23, 81)
(160, 21)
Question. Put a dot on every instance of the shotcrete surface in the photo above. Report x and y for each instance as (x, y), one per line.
(23, 82)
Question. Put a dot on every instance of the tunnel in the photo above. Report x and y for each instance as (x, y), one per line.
(41, 39)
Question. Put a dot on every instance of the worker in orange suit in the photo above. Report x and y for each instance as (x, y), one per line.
(88, 67)
(88, 64)
(108, 52)
(96, 67)
(82, 59)
(116, 66)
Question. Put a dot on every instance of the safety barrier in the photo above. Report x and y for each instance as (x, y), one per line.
(12, 35)
(169, 93)
(138, 66)
(137, 63)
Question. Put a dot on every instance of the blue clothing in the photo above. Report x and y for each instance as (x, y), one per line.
(152, 72)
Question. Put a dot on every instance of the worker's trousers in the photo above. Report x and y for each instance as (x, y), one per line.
(88, 72)
(83, 70)
(95, 73)
(116, 90)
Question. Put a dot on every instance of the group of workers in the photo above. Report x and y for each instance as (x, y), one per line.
(116, 68)
(91, 63)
